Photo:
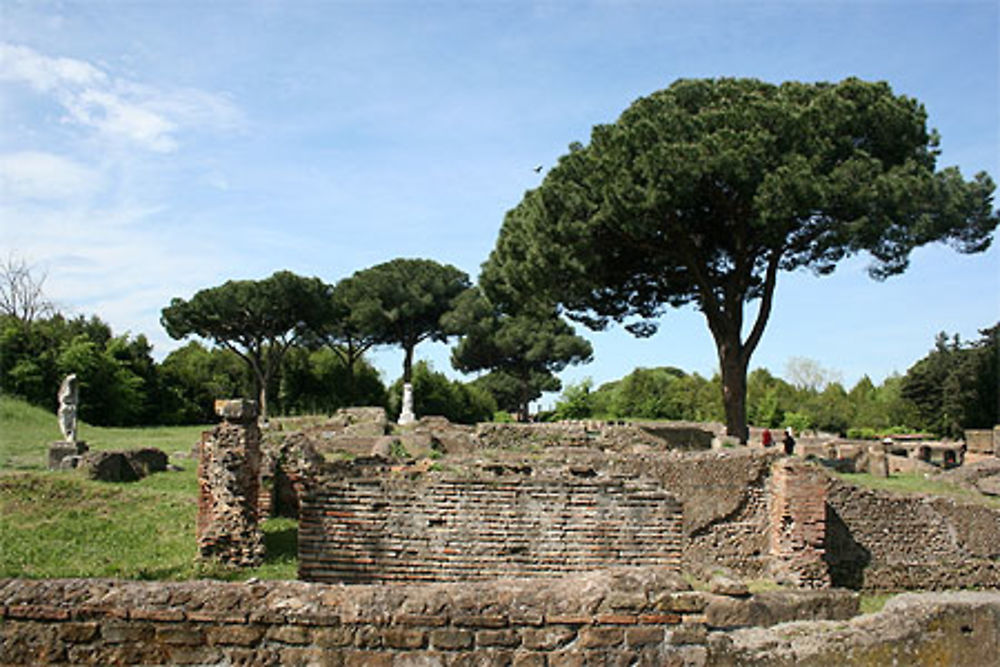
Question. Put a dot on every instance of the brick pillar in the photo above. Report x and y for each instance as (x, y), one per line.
(228, 481)
(798, 523)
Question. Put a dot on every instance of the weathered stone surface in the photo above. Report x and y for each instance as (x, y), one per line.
(60, 451)
(229, 484)
(723, 585)
(912, 629)
(989, 485)
(236, 410)
(109, 467)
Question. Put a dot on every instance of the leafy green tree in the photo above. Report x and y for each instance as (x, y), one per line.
(703, 192)
(320, 382)
(647, 393)
(523, 351)
(193, 377)
(118, 379)
(354, 325)
(576, 401)
(955, 386)
(401, 302)
(256, 319)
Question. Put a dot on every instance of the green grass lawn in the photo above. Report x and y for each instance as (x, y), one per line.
(60, 524)
(917, 484)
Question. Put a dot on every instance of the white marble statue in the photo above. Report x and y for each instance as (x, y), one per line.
(69, 396)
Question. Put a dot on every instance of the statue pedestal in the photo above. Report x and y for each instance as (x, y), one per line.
(61, 449)
(406, 416)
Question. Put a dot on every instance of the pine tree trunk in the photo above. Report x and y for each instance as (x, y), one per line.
(733, 365)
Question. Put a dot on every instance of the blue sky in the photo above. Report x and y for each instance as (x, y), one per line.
(150, 149)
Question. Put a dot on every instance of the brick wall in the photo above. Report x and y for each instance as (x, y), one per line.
(798, 522)
(878, 540)
(389, 528)
(639, 616)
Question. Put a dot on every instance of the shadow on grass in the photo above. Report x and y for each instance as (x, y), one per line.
(282, 545)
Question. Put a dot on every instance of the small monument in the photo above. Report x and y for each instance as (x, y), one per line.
(66, 453)
(407, 416)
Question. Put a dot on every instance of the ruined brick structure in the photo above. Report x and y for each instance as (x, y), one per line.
(384, 527)
(798, 523)
(228, 485)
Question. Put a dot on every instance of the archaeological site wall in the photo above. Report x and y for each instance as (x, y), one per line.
(645, 616)
(437, 527)
(878, 540)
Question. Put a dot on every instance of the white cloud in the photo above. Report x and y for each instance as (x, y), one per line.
(44, 176)
(118, 109)
(44, 74)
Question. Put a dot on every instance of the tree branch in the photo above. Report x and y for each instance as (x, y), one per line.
(770, 280)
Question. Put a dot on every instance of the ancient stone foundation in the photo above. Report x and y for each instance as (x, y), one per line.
(622, 617)
(228, 484)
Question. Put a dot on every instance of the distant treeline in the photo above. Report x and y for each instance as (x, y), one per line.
(122, 385)
(953, 388)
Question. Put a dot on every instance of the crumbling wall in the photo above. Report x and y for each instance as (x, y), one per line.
(798, 523)
(879, 540)
(625, 616)
(926, 629)
(227, 529)
(726, 499)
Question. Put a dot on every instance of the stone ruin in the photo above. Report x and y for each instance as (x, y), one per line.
(227, 527)
(518, 546)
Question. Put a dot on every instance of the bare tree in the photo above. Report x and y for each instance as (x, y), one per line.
(21, 295)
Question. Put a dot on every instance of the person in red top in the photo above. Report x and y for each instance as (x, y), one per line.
(766, 439)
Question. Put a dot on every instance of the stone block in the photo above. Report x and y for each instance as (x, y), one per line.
(546, 638)
(643, 635)
(688, 633)
(403, 638)
(121, 632)
(287, 634)
(109, 467)
(498, 638)
(60, 450)
(77, 632)
(722, 585)
(180, 634)
(528, 660)
(238, 635)
(237, 410)
(448, 639)
(330, 637)
(600, 637)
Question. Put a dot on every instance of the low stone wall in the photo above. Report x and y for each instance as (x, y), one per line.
(883, 541)
(644, 616)
(927, 629)
(983, 441)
